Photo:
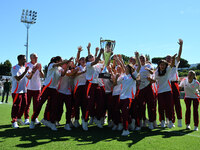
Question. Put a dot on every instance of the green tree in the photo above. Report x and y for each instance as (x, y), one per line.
(198, 66)
(183, 62)
(5, 68)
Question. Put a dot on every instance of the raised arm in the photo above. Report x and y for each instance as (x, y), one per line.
(138, 61)
(98, 57)
(63, 62)
(173, 61)
(121, 63)
(96, 52)
(78, 54)
(180, 49)
(88, 48)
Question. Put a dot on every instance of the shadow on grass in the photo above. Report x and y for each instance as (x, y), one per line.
(43, 135)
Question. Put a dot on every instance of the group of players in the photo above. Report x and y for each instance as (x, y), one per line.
(121, 100)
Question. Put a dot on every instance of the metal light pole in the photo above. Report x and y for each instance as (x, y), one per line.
(28, 18)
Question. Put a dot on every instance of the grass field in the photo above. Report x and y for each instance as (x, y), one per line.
(43, 138)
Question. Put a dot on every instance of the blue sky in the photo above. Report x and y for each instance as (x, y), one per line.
(149, 26)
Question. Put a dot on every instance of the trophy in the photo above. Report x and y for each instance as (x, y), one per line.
(108, 46)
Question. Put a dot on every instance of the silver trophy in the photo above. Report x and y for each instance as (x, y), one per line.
(108, 46)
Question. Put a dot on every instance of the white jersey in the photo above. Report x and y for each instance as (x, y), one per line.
(117, 88)
(53, 76)
(174, 72)
(80, 79)
(191, 89)
(92, 72)
(18, 86)
(34, 83)
(143, 76)
(163, 83)
(128, 89)
(64, 85)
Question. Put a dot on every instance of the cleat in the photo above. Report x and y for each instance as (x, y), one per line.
(15, 125)
(125, 133)
(26, 122)
(32, 125)
(67, 127)
(179, 122)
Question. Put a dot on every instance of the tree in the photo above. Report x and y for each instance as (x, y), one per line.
(183, 62)
(198, 66)
(5, 68)
(155, 60)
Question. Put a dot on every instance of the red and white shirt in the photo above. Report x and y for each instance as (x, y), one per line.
(117, 88)
(64, 85)
(163, 83)
(191, 89)
(92, 72)
(174, 72)
(53, 76)
(143, 76)
(18, 86)
(108, 85)
(80, 79)
(128, 88)
(34, 83)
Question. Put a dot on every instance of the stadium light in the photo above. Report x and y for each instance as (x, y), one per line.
(28, 18)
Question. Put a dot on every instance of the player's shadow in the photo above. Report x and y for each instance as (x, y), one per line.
(137, 136)
(43, 135)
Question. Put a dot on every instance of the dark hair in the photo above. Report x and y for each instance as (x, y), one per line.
(58, 58)
(53, 60)
(19, 57)
(162, 73)
(80, 60)
(131, 68)
(87, 58)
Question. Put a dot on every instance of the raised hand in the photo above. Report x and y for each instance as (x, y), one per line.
(26, 68)
(97, 49)
(89, 45)
(80, 48)
(136, 54)
(39, 67)
(180, 41)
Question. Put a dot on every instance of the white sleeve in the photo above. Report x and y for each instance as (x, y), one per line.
(14, 72)
(182, 83)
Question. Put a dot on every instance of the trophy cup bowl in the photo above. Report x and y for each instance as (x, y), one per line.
(108, 46)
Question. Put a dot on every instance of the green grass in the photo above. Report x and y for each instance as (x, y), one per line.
(43, 138)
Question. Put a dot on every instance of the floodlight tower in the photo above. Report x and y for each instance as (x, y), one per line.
(28, 18)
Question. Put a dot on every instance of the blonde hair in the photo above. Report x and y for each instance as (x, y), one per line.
(193, 73)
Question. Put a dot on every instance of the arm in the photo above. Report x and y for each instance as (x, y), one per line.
(98, 57)
(63, 62)
(40, 70)
(18, 78)
(121, 62)
(88, 48)
(173, 61)
(96, 52)
(180, 50)
(150, 70)
(78, 54)
(138, 60)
